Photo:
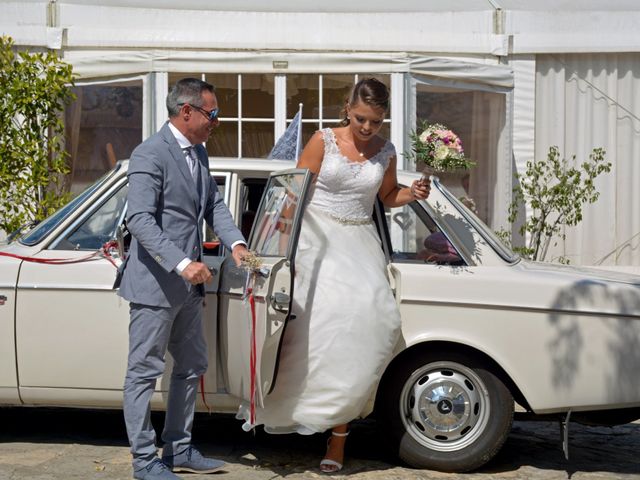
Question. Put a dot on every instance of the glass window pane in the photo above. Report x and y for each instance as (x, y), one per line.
(331, 124)
(335, 93)
(103, 125)
(99, 227)
(258, 95)
(226, 86)
(175, 76)
(416, 237)
(272, 235)
(42, 229)
(308, 129)
(222, 185)
(250, 195)
(257, 139)
(385, 131)
(477, 118)
(226, 91)
(211, 243)
(223, 142)
(303, 89)
(386, 79)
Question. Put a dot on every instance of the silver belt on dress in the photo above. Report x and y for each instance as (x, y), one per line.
(342, 220)
(349, 221)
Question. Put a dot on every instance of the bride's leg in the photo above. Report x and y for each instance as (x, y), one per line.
(334, 458)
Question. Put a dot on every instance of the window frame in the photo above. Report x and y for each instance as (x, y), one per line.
(280, 118)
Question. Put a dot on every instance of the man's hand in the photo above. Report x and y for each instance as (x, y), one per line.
(196, 273)
(238, 253)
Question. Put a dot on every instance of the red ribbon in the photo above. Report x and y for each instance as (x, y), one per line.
(204, 400)
(252, 357)
(102, 252)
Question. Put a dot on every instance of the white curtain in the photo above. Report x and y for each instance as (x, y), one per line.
(585, 101)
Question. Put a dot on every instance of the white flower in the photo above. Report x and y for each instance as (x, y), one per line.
(442, 152)
(424, 135)
(439, 148)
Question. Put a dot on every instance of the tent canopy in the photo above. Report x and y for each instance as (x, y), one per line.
(476, 27)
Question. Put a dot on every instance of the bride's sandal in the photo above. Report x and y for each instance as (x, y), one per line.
(326, 464)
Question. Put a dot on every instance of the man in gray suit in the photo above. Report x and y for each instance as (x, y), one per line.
(170, 194)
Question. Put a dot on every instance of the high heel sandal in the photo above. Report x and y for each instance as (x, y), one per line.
(326, 464)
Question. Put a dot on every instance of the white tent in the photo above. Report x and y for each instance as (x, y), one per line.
(568, 71)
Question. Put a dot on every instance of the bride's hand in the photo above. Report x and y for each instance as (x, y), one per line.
(420, 188)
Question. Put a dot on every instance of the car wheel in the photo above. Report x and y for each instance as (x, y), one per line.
(444, 412)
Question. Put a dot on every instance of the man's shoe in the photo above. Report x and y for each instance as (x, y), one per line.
(191, 460)
(156, 470)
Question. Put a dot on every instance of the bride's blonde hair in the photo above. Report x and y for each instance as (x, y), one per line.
(370, 91)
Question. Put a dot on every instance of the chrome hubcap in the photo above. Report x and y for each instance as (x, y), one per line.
(445, 406)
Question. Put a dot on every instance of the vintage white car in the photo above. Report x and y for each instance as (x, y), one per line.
(484, 332)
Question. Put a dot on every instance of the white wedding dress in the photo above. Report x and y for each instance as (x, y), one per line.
(346, 319)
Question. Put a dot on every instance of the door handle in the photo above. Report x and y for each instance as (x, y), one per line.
(280, 302)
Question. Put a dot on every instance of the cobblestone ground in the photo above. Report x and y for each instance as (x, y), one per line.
(45, 444)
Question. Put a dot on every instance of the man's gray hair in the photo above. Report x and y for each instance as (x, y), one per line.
(186, 90)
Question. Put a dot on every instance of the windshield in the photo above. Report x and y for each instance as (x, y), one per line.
(41, 230)
(490, 237)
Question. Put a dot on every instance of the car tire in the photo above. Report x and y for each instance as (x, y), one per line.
(444, 411)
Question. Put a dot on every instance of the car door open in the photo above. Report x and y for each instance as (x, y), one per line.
(251, 326)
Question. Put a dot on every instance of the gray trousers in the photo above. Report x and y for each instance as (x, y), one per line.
(153, 331)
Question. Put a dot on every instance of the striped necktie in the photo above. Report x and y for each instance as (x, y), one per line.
(190, 155)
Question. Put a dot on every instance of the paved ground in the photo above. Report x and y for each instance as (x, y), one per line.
(44, 444)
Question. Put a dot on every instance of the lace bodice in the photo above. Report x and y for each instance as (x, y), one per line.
(344, 189)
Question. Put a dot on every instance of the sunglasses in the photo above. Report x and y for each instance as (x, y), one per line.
(211, 115)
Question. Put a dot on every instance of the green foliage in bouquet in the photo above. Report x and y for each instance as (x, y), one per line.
(34, 90)
(556, 194)
(439, 148)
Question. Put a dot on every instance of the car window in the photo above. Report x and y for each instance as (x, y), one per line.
(99, 227)
(415, 237)
(211, 244)
(490, 237)
(272, 233)
(42, 229)
(250, 194)
(251, 190)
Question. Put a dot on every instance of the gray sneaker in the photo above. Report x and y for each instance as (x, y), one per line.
(191, 460)
(156, 470)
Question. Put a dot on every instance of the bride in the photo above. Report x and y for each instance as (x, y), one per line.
(346, 319)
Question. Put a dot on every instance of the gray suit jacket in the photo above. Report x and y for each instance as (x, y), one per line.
(164, 216)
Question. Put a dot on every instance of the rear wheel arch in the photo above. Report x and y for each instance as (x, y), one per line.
(444, 406)
(445, 347)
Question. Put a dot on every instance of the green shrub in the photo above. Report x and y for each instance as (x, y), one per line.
(556, 193)
(34, 90)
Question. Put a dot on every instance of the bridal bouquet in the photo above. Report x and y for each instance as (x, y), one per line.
(438, 148)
